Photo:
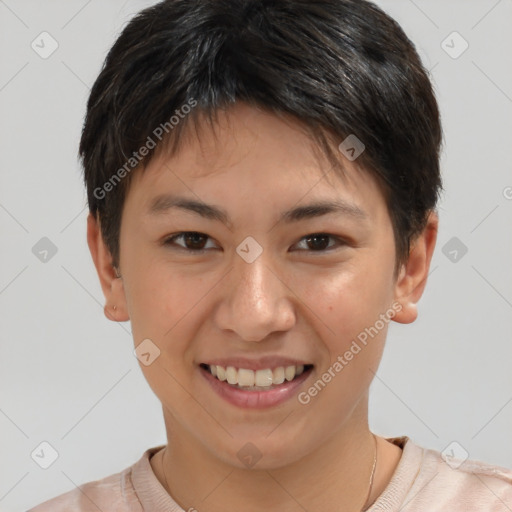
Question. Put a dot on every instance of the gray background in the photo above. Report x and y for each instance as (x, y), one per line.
(68, 375)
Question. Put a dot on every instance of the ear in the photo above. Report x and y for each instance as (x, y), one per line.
(111, 284)
(413, 274)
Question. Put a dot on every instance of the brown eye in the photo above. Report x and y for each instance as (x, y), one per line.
(192, 241)
(319, 242)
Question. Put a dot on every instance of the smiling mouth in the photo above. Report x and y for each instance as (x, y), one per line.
(256, 380)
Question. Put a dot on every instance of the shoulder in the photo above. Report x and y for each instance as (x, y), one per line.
(447, 482)
(113, 493)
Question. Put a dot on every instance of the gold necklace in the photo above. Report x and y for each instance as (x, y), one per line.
(369, 490)
(371, 476)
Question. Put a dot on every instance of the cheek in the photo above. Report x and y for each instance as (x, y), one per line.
(161, 297)
(164, 306)
(349, 308)
(347, 302)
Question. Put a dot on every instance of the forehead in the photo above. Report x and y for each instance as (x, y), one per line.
(252, 154)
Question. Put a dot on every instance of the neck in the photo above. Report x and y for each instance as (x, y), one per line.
(339, 471)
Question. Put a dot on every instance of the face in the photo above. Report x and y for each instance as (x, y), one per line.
(253, 288)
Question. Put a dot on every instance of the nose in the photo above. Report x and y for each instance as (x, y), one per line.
(255, 301)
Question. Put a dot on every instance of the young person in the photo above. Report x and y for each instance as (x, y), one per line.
(262, 181)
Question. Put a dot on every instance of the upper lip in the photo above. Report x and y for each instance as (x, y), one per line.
(256, 364)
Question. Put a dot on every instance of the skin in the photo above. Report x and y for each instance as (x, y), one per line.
(293, 300)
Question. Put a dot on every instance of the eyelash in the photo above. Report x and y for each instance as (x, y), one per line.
(170, 241)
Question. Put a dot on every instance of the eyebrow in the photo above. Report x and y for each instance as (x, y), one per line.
(165, 202)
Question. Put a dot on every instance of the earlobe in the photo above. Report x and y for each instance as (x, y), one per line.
(110, 312)
(110, 279)
(413, 275)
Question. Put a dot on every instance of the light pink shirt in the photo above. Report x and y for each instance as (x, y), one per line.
(422, 482)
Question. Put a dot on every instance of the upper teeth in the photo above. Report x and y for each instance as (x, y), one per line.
(266, 377)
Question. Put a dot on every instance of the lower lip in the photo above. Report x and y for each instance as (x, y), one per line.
(255, 399)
